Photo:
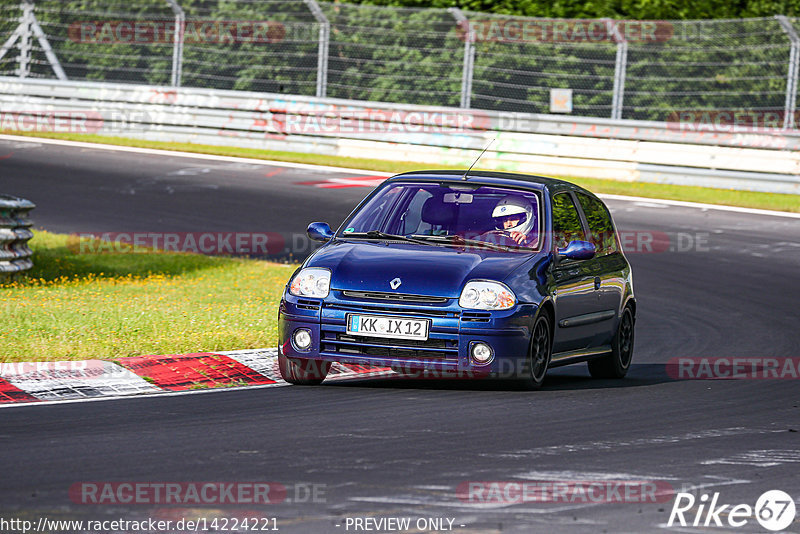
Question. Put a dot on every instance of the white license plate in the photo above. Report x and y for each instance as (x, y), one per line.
(391, 327)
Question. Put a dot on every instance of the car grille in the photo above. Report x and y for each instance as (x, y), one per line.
(361, 308)
(475, 317)
(442, 342)
(395, 297)
(430, 349)
(306, 304)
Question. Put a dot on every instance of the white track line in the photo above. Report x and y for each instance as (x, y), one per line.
(307, 166)
(699, 205)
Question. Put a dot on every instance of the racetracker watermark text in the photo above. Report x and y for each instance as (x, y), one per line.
(271, 244)
(190, 32)
(565, 31)
(731, 121)
(195, 493)
(147, 525)
(734, 368)
(565, 491)
(209, 243)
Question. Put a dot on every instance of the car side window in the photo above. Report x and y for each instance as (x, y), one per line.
(566, 222)
(601, 229)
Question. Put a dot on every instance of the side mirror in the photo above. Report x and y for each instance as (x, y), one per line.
(578, 250)
(319, 231)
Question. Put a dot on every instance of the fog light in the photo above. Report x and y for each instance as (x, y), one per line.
(482, 353)
(302, 339)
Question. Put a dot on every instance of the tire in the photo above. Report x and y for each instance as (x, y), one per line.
(616, 364)
(301, 371)
(539, 353)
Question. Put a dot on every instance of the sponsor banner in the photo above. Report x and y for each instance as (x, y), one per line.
(565, 31)
(565, 491)
(163, 31)
(734, 368)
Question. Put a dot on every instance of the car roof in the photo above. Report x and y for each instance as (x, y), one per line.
(554, 185)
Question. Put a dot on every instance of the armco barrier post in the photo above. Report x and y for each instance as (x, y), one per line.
(25, 40)
(469, 56)
(791, 75)
(15, 256)
(620, 64)
(322, 52)
(177, 47)
(22, 36)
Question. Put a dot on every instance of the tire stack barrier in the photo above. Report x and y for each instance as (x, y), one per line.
(15, 255)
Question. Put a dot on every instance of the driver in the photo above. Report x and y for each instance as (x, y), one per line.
(514, 217)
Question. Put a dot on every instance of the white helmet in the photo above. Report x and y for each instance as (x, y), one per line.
(515, 206)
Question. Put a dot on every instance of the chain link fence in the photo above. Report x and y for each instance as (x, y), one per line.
(646, 70)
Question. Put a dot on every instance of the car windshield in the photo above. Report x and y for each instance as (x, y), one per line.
(454, 214)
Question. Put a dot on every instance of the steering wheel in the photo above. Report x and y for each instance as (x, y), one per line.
(502, 237)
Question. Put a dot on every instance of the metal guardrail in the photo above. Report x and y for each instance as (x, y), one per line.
(545, 144)
(15, 256)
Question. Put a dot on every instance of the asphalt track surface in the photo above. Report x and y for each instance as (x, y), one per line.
(389, 447)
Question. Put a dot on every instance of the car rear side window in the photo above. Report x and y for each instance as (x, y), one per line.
(566, 222)
(601, 229)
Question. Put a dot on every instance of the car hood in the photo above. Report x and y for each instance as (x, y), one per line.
(422, 269)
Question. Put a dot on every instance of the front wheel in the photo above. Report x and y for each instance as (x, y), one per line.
(539, 353)
(616, 364)
(301, 371)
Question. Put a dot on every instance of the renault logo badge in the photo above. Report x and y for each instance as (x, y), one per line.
(394, 284)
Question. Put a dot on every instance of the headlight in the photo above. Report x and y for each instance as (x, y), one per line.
(311, 282)
(486, 296)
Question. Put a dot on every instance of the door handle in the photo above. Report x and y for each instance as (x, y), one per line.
(597, 282)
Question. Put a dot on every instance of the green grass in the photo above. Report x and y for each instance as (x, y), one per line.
(748, 199)
(110, 305)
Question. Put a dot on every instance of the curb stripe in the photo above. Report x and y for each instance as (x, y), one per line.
(11, 393)
(178, 372)
(75, 381)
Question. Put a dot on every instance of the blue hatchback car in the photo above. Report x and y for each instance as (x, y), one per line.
(489, 273)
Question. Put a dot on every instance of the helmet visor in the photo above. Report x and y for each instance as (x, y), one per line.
(509, 222)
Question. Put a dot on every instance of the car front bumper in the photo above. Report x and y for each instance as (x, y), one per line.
(452, 333)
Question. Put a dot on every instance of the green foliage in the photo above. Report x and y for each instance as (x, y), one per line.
(620, 9)
(411, 55)
(75, 306)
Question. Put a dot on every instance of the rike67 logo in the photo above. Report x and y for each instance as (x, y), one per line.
(774, 510)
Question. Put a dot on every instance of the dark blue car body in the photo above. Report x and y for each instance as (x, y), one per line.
(574, 302)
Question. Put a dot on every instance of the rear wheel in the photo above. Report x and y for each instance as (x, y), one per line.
(616, 364)
(301, 371)
(538, 354)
